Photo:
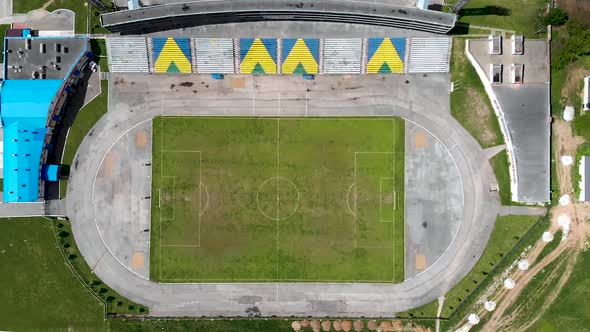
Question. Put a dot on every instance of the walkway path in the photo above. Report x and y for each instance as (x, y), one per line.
(523, 210)
(284, 299)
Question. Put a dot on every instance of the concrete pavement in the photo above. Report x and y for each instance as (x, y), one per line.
(327, 96)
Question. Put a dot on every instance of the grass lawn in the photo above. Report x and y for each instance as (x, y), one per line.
(500, 165)
(38, 291)
(522, 17)
(85, 120)
(99, 48)
(3, 28)
(469, 102)
(507, 231)
(267, 199)
(258, 325)
(570, 310)
(83, 13)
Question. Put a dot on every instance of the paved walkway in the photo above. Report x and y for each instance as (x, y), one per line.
(22, 209)
(285, 299)
(523, 210)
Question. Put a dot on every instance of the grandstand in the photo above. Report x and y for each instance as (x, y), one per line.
(279, 56)
(397, 14)
(40, 72)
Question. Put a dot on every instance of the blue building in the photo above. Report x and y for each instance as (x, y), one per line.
(39, 73)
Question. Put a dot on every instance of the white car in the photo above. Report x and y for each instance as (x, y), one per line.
(93, 66)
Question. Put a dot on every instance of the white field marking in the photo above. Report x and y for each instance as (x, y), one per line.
(160, 214)
(173, 199)
(159, 191)
(381, 200)
(272, 118)
(278, 217)
(279, 187)
(348, 199)
(393, 212)
(180, 245)
(355, 190)
(183, 151)
(306, 102)
(462, 191)
(206, 204)
(92, 196)
(189, 281)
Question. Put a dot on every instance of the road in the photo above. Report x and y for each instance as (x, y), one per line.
(285, 299)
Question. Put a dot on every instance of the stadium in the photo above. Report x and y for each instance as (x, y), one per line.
(261, 158)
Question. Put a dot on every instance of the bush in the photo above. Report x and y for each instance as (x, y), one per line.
(131, 307)
(576, 44)
(63, 234)
(556, 16)
(110, 298)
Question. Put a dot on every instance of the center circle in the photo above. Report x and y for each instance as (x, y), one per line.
(277, 198)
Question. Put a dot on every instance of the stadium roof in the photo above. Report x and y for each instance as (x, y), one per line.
(24, 105)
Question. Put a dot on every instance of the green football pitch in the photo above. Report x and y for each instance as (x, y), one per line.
(277, 199)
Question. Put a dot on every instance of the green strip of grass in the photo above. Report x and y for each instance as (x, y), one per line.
(505, 14)
(116, 304)
(470, 104)
(428, 310)
(85, 120)
(3, 28)
(399, 252)
(501, 170)
(38, 292)
(508, 230)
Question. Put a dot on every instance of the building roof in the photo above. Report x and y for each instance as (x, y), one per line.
(24, 105)
(586, 179)
(35, 69)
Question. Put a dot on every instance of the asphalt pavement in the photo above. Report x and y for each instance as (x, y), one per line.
(416, 98)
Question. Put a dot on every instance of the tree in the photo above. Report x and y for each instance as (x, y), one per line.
(556, 16)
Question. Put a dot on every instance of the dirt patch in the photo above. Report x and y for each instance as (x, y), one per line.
(481, 116)
(420, 262)
(420, 140)
(372, 325)
(138, 260)
(337, 325)
(388, 199)
(575, 76)
(576, 8)
(326, 325)
(141, 139)
(108, 165)
(238, 82)
(567, 144)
